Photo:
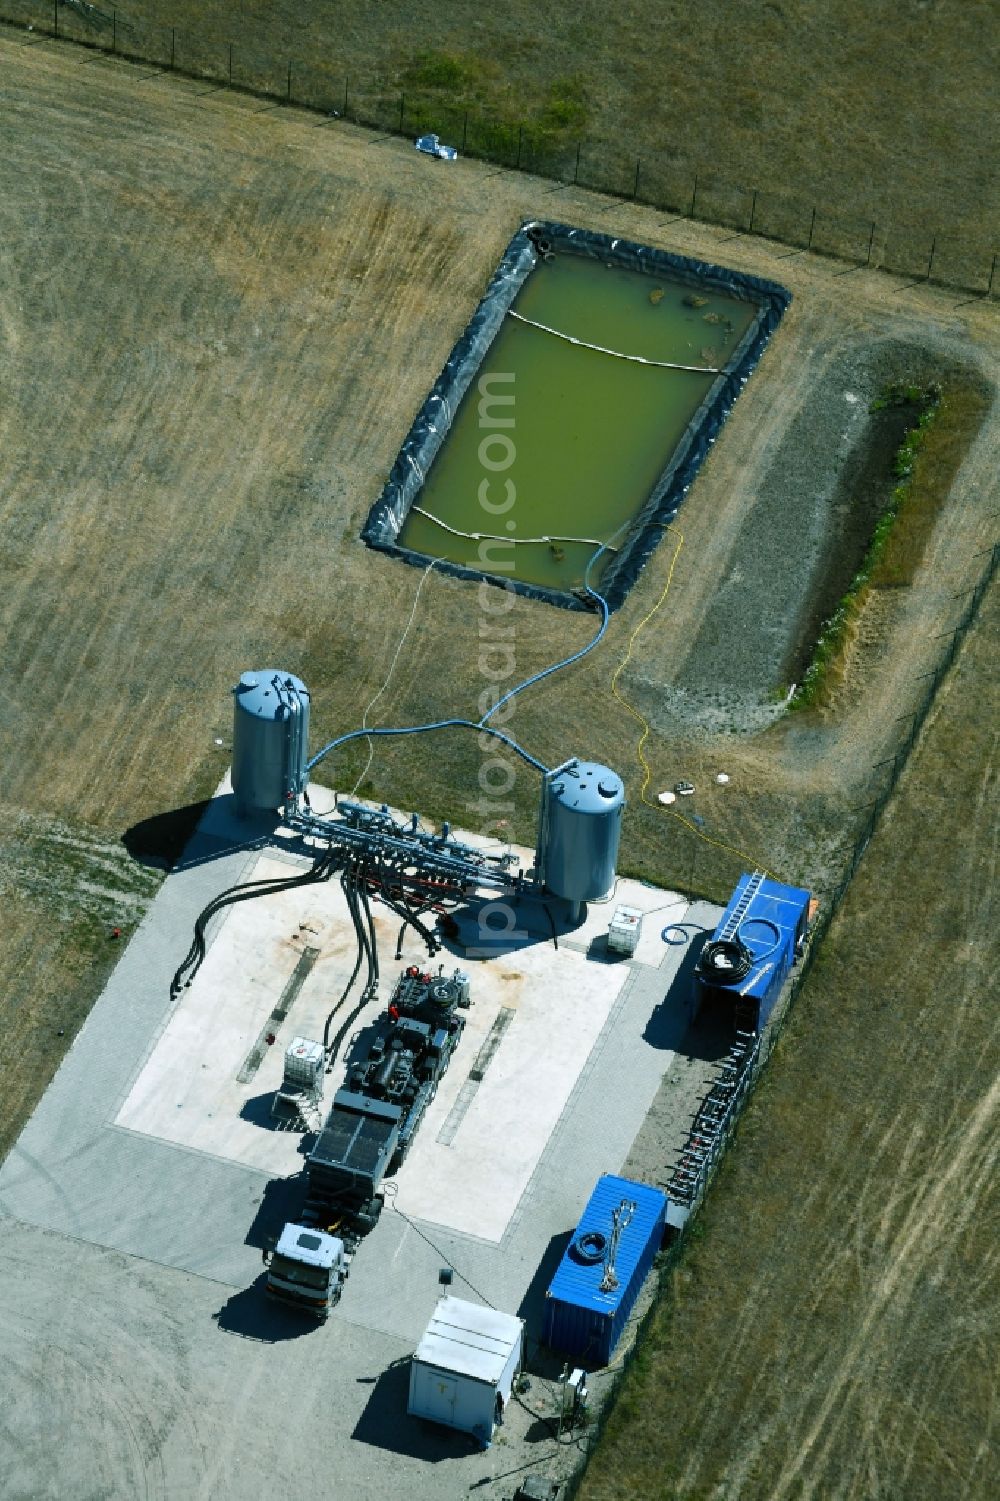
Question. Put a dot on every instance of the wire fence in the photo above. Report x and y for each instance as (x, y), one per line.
(764, 1045)
(659, 180)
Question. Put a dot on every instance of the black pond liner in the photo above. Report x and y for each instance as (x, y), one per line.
(433, 422)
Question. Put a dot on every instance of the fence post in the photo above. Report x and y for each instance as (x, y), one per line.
(635, 185)
(465, 129)
(989, 284)
(520, 141)
(753, 210)
(694, 196)
(576, 178)
(402, 108)
(930, 258)
(871, 241)
(346, 82)
(812, 226)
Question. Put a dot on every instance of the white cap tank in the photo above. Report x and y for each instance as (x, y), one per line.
(270, 740)
(581, 824)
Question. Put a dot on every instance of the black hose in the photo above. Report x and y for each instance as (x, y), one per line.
(726, 961)
(349, 1020)
(410, 918)
(321, 870)
(354, 973)
(373, 939)
(366, 943)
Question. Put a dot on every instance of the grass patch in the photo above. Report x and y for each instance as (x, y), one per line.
(65, 891)
(470, 94)
(924, 467)
(931, 463)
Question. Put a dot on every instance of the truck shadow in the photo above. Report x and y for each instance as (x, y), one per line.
(281, 1201)
(385, 1423)
(251, 1314)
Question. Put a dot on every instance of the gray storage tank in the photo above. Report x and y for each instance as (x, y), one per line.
(270, 740)
(579, 831)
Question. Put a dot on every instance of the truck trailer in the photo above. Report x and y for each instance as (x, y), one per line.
(365, 1137)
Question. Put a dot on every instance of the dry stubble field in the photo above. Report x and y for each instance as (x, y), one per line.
(882, 110)
(217, 320)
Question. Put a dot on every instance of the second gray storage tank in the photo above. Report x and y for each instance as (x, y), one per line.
(270, 739)
(580, 828)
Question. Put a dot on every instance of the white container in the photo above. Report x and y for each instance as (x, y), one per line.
(304, 1063)
(464, 1367)
(624, 930)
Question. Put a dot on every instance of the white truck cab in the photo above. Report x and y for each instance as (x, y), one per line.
(307, 1268)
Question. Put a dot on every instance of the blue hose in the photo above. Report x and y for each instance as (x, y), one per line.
(482, 725)
(584, 650)
(420, 729)
(767, 923)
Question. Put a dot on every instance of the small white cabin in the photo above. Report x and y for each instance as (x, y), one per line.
(464, 1367)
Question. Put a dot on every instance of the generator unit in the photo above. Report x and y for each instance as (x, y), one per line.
(375, 1115)
(744, 964)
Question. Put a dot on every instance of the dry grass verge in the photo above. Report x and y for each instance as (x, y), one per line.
(70, 898)
(831, 1328)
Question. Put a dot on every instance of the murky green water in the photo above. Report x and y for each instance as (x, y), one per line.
(580, 446)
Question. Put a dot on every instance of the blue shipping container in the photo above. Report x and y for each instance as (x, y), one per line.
(768, 920)
(581, 1320)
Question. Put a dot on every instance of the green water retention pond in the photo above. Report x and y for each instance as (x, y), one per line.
(574, 411)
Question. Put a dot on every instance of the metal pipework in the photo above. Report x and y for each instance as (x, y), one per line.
(375, 835)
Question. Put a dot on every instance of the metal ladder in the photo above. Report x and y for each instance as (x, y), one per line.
(739, 912)
(620, 1218)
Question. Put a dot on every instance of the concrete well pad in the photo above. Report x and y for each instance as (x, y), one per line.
(188, 1092)
(148, 1142)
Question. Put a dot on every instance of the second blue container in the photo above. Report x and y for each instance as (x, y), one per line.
(582, 1320)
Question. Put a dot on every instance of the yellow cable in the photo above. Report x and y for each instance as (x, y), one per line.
(646, 730)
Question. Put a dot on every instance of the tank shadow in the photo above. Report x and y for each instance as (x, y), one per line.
(196, 834)
(506, 924)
